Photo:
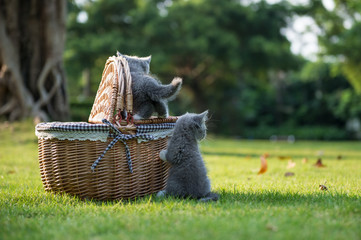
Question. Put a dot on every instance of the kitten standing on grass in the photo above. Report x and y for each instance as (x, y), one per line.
(149, 95)
(187, 174)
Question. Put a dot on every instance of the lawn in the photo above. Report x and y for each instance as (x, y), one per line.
(251, 206)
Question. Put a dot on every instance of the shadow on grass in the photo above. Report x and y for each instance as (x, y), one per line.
(227, 199)
(230, 199)
(274, 198)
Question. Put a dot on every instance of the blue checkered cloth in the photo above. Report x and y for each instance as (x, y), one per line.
(90, 127)
(147, 128)
(72, 127)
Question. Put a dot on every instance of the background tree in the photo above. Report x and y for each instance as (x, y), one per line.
(218, 47)
(32, 76)
(339, 36)
(233, 58)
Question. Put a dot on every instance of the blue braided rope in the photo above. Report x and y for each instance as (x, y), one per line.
(111, 144)
(127, 152)
(119, 136)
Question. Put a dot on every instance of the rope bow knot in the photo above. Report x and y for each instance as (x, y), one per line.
(119, 136)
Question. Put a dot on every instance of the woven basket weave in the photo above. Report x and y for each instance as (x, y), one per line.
(65, 162)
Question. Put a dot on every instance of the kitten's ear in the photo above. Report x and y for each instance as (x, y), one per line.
(148, 59)
(204, 115)
(146, 63)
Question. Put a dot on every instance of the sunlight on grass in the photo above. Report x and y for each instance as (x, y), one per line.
(251, 206)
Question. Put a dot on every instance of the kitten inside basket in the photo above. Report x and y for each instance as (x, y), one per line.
(187, 174)
(149, 95)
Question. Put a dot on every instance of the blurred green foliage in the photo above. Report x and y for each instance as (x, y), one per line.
(233, 59)
(340, 36)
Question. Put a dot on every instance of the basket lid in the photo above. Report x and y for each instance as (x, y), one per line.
(114, 93)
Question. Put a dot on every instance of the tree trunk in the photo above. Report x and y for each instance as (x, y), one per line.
(32, 76)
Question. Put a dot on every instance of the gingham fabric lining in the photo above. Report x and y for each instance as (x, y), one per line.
(72, 127)
(157, 131)
(81, 135)
(72, 131)
(147, 128)
(97, 132)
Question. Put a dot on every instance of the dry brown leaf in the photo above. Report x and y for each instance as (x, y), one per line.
(319, 163)
(284, 157)
(263, 164)
(289, 174)
(291, 164)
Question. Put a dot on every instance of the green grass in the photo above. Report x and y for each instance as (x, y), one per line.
(251, 206)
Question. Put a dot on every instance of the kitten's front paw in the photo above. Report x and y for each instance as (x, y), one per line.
(161, 194)
(162, 155)
(176, 81)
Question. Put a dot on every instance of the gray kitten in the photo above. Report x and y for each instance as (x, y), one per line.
(187, 174)
(149, 95)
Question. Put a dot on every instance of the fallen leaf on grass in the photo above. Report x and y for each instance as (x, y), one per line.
(291, 164)
(11, 172)
(319, 163)
(289, 174)
(284, 157)
(323, 186)
(263, 164)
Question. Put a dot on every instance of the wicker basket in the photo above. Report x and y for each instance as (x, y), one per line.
(124, 165)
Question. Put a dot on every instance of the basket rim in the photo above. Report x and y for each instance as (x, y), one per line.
(99, 127)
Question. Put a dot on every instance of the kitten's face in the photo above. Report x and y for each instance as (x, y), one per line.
(195, 123)
(138, 64)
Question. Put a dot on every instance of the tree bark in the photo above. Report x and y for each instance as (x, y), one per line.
(32, 76)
